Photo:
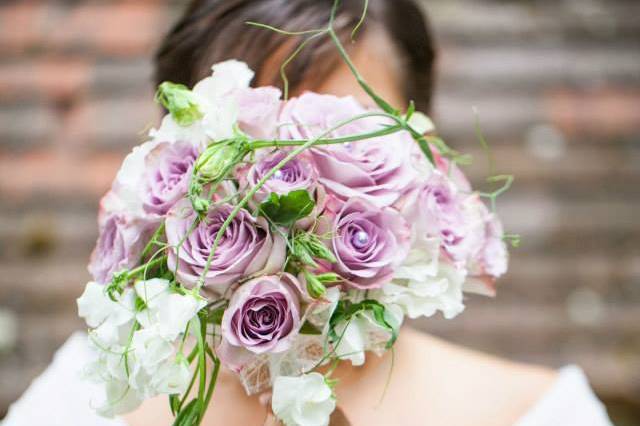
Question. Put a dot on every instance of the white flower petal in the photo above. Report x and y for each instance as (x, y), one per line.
(150, 349)
(94, 305)
(116, 398)
(151, 290)
(421, 123)
(175, 312)
(426, 296)
(172, 377)
(305, 400)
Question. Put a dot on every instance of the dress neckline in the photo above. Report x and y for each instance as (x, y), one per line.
(569, 402)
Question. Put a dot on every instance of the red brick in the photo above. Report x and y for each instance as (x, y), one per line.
(57, 79)
(23, 25)
(28, 126)
(607, 112)
(118, 123)
(54, 172)
(112, 28)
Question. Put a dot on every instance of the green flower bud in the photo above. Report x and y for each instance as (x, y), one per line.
(180, 102)
(329, 278)
(307, 246)
(217, 160)
(314, 286)
(200, 205)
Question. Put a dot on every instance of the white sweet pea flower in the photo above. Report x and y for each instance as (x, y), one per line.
(175, 314)
(124, 196)
(150, 349)
(114, 398)
(111, 321)
(95, 306)
(305, 400)
(110, 336)
(227, 76)
(217, 103)
(352, 337)
(172, 377)
(425, 295)
(422, 260)
(168, 313)
(170, 131)
(152, 291)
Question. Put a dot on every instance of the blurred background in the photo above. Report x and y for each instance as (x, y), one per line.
(557, 86)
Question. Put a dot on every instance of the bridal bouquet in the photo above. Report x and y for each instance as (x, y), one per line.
(276, 237)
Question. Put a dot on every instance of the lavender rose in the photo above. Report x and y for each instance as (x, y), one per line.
(247, 247)
(298, 173)
(376, 169)
(119, 246)
(436, 208)
(263, 314)
(368, 243)
(491, 259)
(167, 171)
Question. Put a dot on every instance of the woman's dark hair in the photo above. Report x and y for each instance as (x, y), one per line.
(212, 31)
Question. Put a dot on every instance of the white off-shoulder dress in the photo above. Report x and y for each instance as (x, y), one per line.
(59, 398)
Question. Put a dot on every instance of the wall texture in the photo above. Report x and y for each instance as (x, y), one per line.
(557, 87)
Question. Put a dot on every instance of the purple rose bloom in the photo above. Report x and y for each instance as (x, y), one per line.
(168, 169)
(436, 208)
(377, 170)
(298, 173)
(368, 243)
(492, 258)
(119, 246)
(263, 314)
(247, 246)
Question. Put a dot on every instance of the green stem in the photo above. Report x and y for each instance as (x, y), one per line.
(276, 143)
(213, 381)
(202, 368)
(384, 105)
(153, 241)
(142, 268)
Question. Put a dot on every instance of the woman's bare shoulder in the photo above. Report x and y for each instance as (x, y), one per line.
(484, 386)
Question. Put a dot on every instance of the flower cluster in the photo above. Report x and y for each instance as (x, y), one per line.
(272, 236)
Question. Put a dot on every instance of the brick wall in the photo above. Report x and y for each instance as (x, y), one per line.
(557, 86)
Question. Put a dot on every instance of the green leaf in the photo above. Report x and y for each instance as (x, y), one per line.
(180, 102)
(285, 210)
(308, 328)
(174, 403)
(423, 144)
(188, 415)
(410, 110)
